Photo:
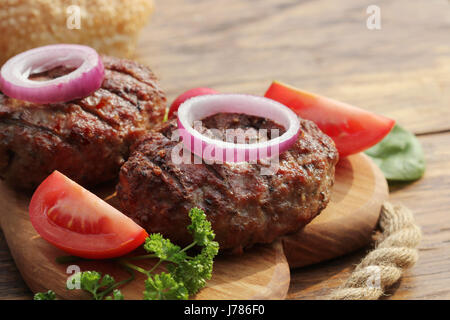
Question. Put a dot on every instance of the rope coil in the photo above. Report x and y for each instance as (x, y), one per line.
(382, 267)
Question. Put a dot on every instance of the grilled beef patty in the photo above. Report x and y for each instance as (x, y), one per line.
(86, 139)
(243, 206)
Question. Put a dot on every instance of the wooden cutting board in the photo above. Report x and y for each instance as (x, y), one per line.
(348, 221)
(262, 272)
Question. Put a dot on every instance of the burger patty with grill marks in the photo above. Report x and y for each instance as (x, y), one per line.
(243, 206)
(86, 139)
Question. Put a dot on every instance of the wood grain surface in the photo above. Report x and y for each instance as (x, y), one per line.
(349, 220)
(401, 71)
(320, 45)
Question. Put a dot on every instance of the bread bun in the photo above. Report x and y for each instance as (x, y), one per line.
(109, 26)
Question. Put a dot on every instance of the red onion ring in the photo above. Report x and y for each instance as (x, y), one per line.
(80, 83)
(200, 107)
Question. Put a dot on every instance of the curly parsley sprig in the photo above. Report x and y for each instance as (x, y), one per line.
(99, 286)
(186, 274)
(49, 295)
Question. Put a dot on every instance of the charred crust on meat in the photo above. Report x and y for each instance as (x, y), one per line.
(244, 207)
(87, 139)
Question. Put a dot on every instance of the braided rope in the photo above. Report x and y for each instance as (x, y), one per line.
(394, 252)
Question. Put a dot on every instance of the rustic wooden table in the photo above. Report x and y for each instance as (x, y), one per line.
(401, 71)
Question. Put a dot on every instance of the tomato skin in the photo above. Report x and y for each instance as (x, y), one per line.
(187, 95)
(59, 202)
(352, 129)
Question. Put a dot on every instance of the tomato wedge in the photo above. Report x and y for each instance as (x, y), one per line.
(187, 95)
(352, 129)
(80, 223)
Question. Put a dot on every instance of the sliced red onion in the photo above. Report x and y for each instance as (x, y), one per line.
(201, 107)
(84, 80)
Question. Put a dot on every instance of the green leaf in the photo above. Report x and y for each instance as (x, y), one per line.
(89, 281)
(200, 227)
(163, 248)
(399, 156)
(49, 295)
(98, 286)
(116, 295)
(187, 275)
(107, 281)
(164, 287)
(196, 271)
